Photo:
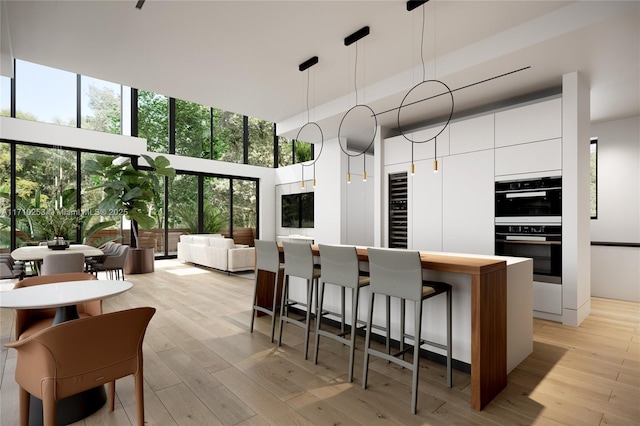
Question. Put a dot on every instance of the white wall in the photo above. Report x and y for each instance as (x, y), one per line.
(615, 271)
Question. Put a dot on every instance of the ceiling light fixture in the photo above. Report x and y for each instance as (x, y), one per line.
(140, 4)
(305, 67)
(342, 137)
(411, 5)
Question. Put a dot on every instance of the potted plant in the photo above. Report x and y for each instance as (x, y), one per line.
(131, 193)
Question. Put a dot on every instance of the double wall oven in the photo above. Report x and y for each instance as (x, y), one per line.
(529, 224)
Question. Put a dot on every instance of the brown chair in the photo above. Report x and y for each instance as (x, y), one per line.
(74, 356)
(29, 321)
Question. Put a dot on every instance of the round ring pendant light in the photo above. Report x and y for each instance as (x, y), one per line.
(310, 124)
(354, 110)
(446, 91)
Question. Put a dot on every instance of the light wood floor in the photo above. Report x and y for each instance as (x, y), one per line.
(203, 367)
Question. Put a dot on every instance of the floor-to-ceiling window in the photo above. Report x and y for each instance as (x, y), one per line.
(5, 197)
(97, 225)
(45, 194)
(57, 177)
(244, 210)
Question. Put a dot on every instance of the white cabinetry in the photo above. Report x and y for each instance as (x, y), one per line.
(474, 134)
(547, 299)
(529, 157)
(468, 203)
(529, 123)
(425, 215)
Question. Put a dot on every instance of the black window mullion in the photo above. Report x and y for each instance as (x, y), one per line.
(258, 207)
(276, 148)
(134, 112)
(245, 139)
(165, 216)
(211, 153)
(78, 100)
(79, 195)
(172, 126)
(231, 208)
(293, 151)
(13, 92)
(200, 203)
(12, 196)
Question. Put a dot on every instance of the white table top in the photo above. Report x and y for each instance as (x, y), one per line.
(30, 253)
(61, 294)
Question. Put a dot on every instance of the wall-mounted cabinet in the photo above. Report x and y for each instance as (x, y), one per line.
(529, 157)
(474, 134)
(529, 123)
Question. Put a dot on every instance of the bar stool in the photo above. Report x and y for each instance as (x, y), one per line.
(340, 267)
(267, 259)
(398, 273)
(298, 259)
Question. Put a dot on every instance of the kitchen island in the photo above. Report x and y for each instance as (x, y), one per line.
(492, 313)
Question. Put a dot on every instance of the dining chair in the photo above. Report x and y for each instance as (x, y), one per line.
(109, 248)
(298, 262)
(113, 264)
(30, 321)
(340, 267)
(59, 263)
(9, 268)
(75, 356)
(267, 259)
(398, 273)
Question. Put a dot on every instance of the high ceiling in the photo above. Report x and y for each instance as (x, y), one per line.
(243, 56)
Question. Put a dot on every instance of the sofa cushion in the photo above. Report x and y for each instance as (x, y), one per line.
(200, 240)
(222, 243)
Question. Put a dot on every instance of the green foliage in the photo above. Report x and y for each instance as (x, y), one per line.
(213, 221)
(303, 151)
(105, 104)
(128, 191)
(55, 223)
(153, 120)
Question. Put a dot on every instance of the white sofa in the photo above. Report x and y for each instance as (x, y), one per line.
(215, 251)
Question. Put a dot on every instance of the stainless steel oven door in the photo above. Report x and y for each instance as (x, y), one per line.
(529, 198)
(546, 254)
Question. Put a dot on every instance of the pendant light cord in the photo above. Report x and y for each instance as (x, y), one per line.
(308, 112)
(355, 74)
(424, 72)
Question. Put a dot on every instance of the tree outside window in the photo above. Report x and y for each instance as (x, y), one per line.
(153, 120)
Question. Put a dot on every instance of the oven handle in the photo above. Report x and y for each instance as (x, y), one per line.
(526, 194)
(511, 239)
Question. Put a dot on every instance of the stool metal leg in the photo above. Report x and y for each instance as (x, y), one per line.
(355, 295)
(416, 355)
(285, 295)
(449, 340)
(368, 341)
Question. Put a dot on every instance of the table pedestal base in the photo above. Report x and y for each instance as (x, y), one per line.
(71, 409)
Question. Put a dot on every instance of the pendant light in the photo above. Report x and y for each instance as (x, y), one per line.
(354, 38)
(442, 91)
(305, 67)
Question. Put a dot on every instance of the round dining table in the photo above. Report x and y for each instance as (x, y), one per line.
(64, 296)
